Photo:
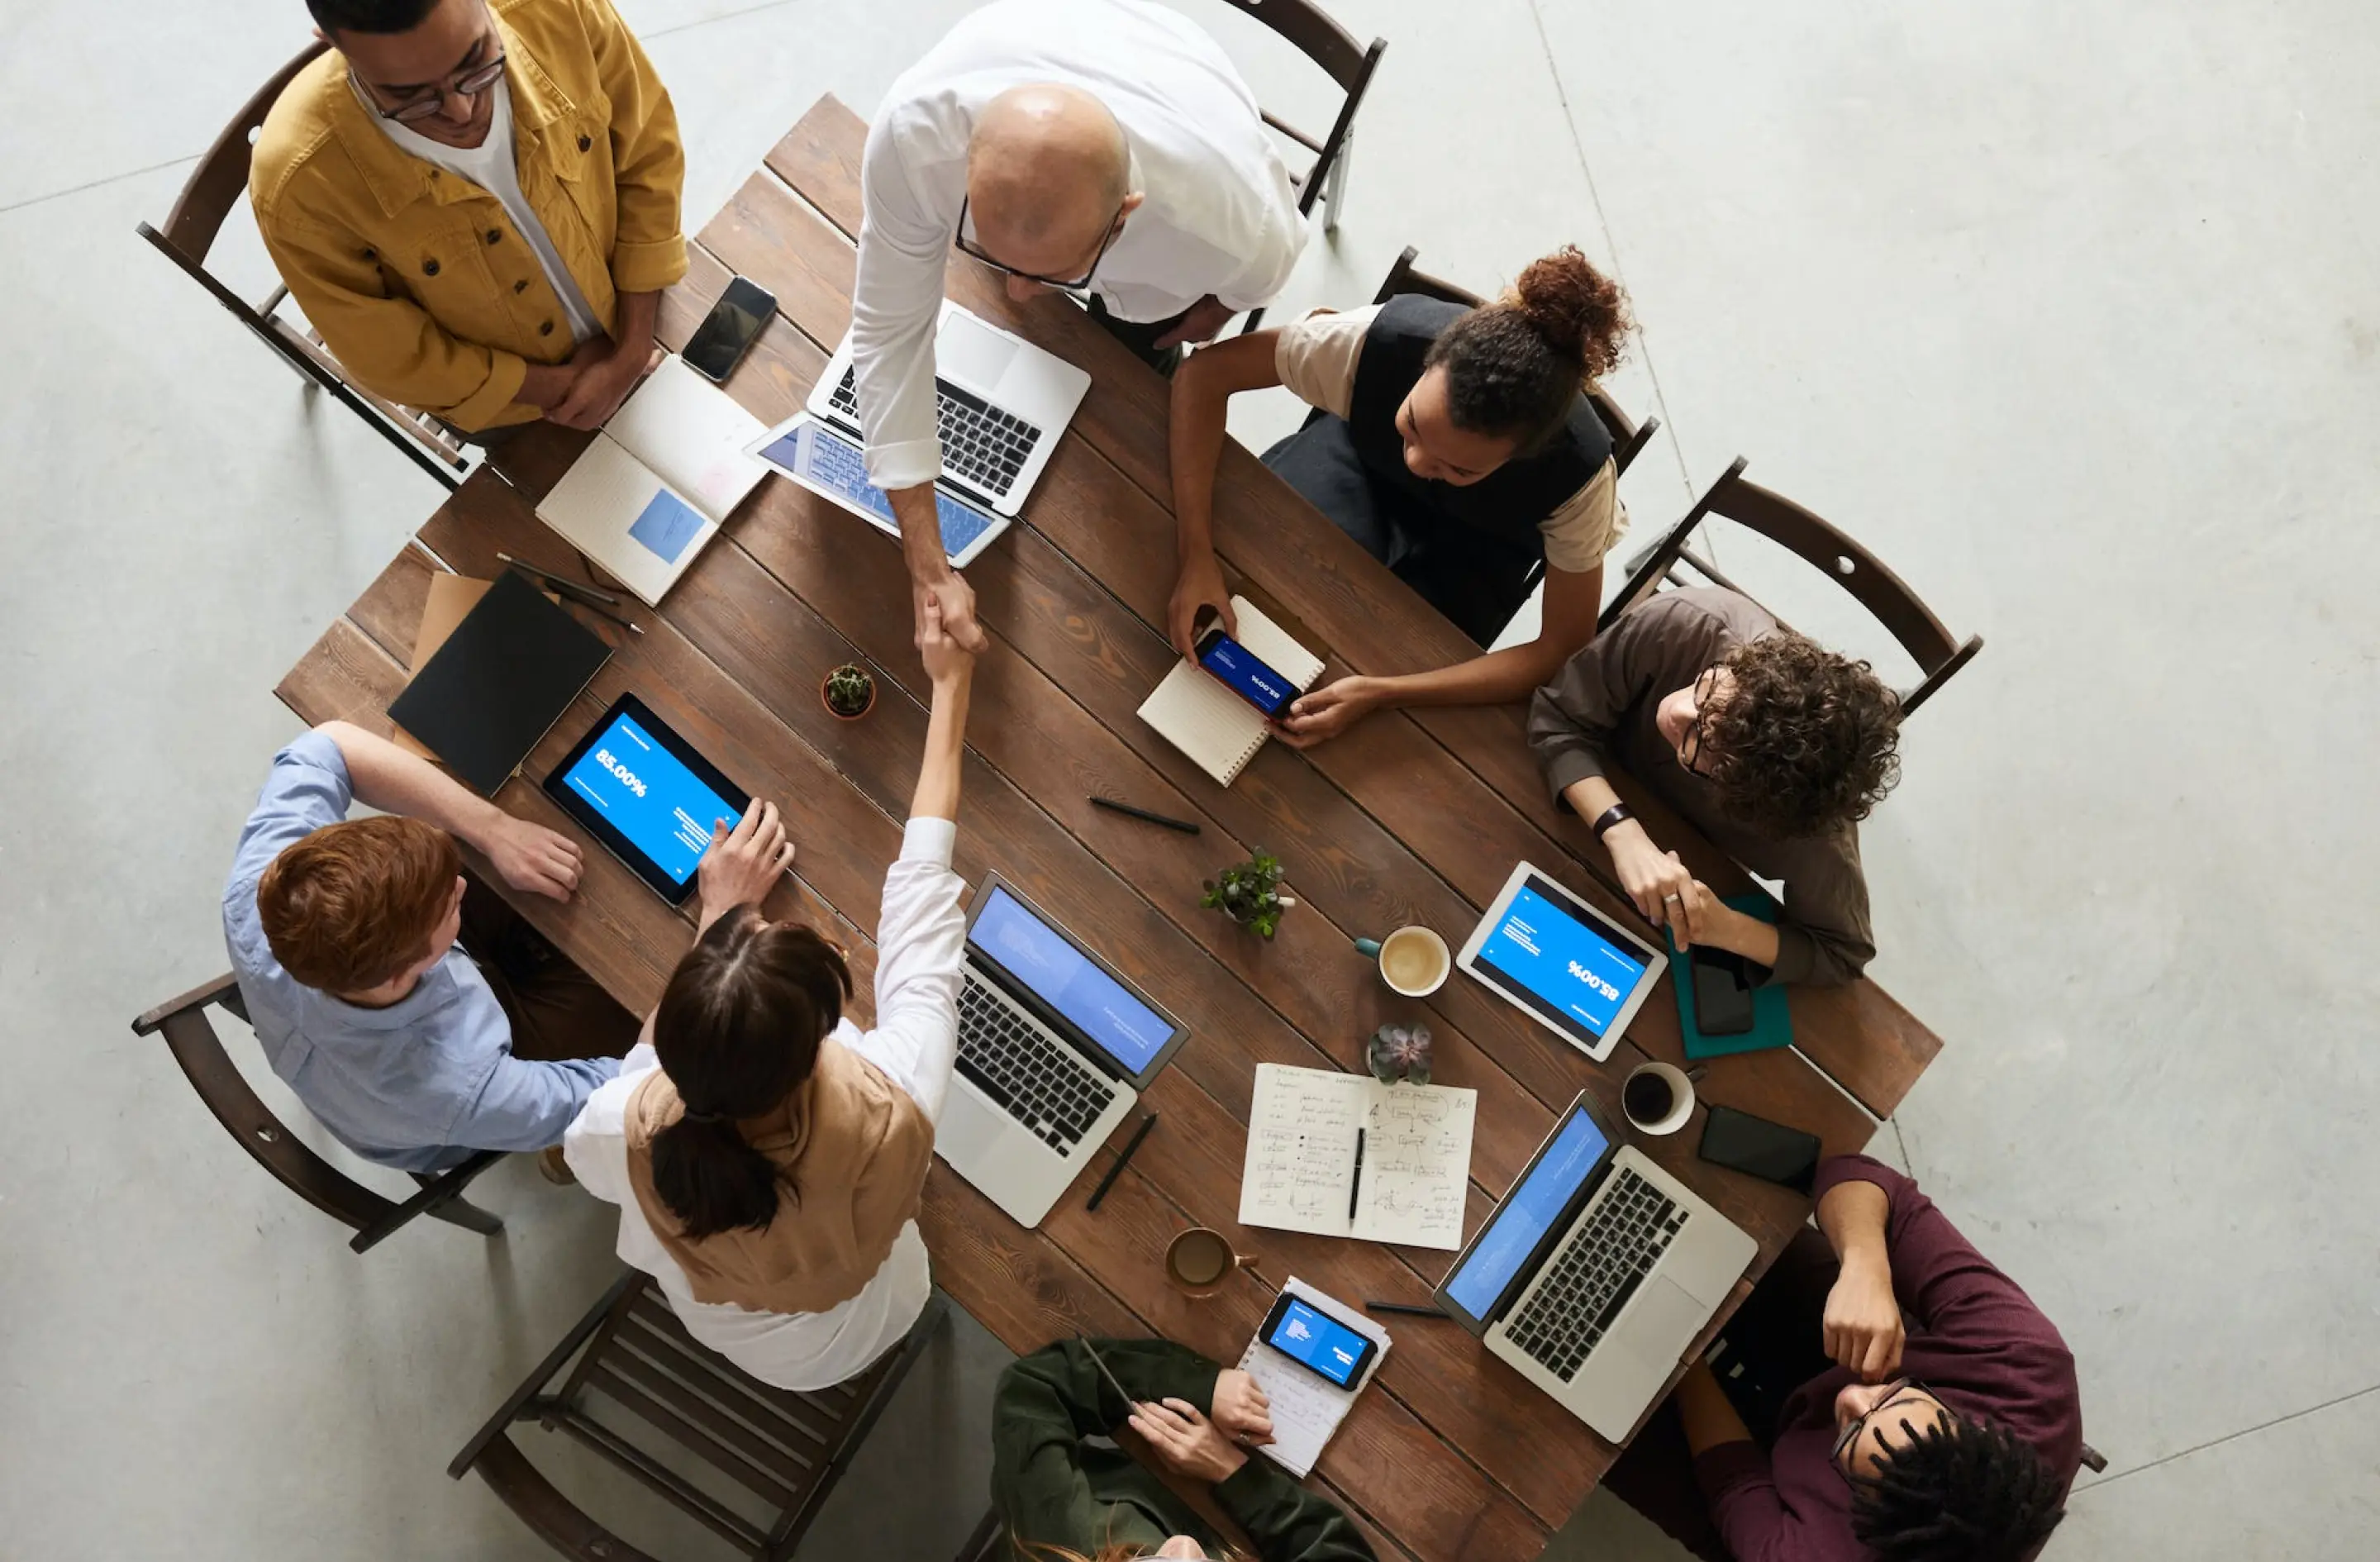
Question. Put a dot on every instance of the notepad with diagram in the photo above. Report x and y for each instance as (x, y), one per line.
(1302, 1173)
(1194, 712)
(658, 482)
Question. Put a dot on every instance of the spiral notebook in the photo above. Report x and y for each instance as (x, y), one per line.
(1305, 1410)
(1194, 712)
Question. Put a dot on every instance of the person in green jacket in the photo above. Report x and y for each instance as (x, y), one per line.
(1060, 1496)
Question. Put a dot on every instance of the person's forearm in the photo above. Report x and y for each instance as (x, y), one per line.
(921, 533)
(1498, 678)
(384, 777)
(543, 386)
(1854, 1216)
(1709, 1417)
(637, 315)
(937, 778)
(1741, 934)
(1195, 420)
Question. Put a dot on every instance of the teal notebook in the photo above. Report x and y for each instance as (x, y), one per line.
(1772, 1025)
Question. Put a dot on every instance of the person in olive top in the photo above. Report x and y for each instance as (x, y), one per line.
(1774, 747)
(476, 204)
(1062, 1497)
(1951, 1435)
(1455, 445)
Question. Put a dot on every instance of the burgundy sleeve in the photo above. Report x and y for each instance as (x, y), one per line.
(1744, 1504)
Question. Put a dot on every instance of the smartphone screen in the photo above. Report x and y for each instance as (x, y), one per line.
(1244, 675)
(1756, 1146)
(1317, 1341)
(1722, 993)
(730, 327)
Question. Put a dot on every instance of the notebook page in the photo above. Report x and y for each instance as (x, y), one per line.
(1306, 1410)
(1301, 1159)
(692, 434)
(1416, 1165)
(616, 511)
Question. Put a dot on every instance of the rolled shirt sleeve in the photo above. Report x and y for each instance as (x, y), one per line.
(1316, 357)
(896, 301)
(1586, 525)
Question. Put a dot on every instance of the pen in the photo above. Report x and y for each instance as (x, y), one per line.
(1355, 1184)
(1101, 1361)
(607, 613)
(1371, 1305)
(1117, 1170)
(569, 588)
(1184, 825)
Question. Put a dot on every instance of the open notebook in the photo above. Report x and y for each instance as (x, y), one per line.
(666, 470)
(1305, 1410)
(1194, 712)
(1344, 1156)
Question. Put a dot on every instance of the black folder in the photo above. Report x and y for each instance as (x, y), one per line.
(509, 670)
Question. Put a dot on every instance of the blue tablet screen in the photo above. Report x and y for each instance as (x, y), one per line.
(1567, 970)
(646, 793)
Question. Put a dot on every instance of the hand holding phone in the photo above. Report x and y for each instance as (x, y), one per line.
(1240, 670)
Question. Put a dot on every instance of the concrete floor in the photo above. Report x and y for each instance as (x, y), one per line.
(2064, 310)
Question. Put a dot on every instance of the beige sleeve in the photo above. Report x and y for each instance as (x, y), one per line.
(1316, 357)
(1587, 525)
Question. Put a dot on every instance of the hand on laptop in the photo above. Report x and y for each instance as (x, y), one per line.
(744, 863)
(1185, 1441)
(1242, 1408)
(532, 857)
(1862, 1325)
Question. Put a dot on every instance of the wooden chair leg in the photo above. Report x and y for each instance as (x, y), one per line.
(2093, 1460)
(1334, 187)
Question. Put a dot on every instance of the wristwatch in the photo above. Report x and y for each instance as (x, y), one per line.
(1609, 817)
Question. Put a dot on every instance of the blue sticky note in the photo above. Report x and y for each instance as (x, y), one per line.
(667, 526)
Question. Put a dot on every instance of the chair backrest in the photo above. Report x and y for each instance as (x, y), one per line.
(1628, 436)
(220, 177)
(1827, 548)
(787, 1449)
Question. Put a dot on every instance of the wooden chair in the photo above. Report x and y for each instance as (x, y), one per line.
(215, 186)
(1628, 436)
(200, 1053)
(1825, 548)
(786, 1448)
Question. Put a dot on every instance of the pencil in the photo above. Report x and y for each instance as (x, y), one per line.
(606, 613)
(1371, 1305)
(1184, 825)
(1117, 1170)
(567, 587)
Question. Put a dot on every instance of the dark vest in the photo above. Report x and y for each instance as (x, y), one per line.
(1508, 502)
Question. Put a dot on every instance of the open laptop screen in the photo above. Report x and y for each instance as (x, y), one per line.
(1065, 979)
(1483, 1278)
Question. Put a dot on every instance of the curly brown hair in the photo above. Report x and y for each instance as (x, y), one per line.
(1514, 367)
(1805, 742)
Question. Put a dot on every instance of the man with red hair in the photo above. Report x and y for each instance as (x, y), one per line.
(343, 934)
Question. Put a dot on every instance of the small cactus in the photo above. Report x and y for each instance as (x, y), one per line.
(849, 691)
(1249, 893)
(1400, 1052)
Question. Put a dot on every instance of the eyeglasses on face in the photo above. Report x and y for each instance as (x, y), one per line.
(464, 84)
(1690, 746)
(973, 250)
(1850, 1434)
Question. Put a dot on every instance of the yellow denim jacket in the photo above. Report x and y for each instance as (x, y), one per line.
(415, 278)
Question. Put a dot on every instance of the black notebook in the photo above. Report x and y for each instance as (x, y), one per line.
(509, 670)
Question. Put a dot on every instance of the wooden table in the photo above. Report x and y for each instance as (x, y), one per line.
(1410, 817)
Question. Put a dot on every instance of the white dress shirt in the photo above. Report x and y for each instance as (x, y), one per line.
(920, 943)
(1220, 215)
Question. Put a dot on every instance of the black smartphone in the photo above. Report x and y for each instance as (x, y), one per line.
(1317, 1341)
(731, 326)
(1722, 992)
(1771, 1151)
(1240, 671)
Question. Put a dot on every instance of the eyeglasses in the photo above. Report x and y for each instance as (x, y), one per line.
(974, 251)
(1690, 746)
(1850, 1434)
(469, 84)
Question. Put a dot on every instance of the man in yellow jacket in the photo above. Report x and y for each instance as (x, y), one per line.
(475, 202)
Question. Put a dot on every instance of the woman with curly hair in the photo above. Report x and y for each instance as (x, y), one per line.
(1774, 747)
(1455, 445)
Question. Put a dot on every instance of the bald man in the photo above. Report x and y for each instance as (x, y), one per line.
(1105, 148)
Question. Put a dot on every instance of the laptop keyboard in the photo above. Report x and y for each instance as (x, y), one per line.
(1594, 1277)
(1036, 1081)
(981, 445)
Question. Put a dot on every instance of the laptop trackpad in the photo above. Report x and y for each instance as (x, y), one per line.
(969, 1131)
(1661, 1322)
(968, 351)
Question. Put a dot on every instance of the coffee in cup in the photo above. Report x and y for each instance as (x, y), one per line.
(1658, 1097)
(1414, 960)
(1199, 1258)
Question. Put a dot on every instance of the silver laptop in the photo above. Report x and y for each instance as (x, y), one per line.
(1004, 403)
(1596, 1273)
(1055, 1047)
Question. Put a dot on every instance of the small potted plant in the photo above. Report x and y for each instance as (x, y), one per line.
(848, 691)
(1249, 893)
(1400, 1052)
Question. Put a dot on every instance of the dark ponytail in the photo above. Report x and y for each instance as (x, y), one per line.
(1514, 366)
(737, 1031)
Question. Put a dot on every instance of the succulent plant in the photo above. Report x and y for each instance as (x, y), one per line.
(849, 691)
(1249, 893)
(1400, 1052)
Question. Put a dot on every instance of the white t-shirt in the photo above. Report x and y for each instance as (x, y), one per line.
(490, 166)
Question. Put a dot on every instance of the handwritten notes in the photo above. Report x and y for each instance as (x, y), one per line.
(1306, 1410)
(1301, 1166)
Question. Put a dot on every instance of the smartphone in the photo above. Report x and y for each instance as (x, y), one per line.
(1722, 992)
(729, 330)
(1241, 671)
(1772, 1152)
(1317, 1341)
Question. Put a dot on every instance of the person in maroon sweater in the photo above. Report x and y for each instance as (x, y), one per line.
(1949, 1437)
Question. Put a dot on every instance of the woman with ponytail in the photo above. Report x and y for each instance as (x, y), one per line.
(766, 1154)
(1455, 445)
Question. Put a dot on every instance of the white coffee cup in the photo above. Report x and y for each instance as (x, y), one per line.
(1681, 1098)
(1414, 960)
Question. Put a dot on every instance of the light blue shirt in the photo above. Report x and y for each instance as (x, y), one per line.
(419, 1084)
